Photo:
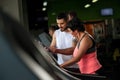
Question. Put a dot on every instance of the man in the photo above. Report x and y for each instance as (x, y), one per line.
(52, 29)
(63, 43)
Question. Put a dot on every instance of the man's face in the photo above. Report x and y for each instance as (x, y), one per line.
(61, 24)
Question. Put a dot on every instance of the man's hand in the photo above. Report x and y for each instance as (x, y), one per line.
(52, 49)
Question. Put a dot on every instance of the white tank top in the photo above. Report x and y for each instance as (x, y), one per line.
(63, 41)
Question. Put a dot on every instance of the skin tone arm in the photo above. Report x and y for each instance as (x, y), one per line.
(84, 45)
(67, 51)
(53, 43)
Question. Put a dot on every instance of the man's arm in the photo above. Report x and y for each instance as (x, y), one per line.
(67, 51)
(53, 43)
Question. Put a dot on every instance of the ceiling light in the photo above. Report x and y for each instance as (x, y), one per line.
(45, 3)
(87, 5)
(93, 1)
(43, 9)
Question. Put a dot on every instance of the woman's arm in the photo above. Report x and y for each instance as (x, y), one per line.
(85, 44)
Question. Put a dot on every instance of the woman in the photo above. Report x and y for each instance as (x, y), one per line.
(52, 29)
(85, 53)
(71, 15)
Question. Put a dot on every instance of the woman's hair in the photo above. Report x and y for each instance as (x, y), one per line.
(76, 24)
(72, 13)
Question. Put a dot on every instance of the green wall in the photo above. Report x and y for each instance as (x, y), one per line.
(91, 13)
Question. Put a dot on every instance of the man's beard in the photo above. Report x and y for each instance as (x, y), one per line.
(63, 29)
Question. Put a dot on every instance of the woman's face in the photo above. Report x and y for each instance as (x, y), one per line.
(74, 33)
(51, 32)
(70, 17)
